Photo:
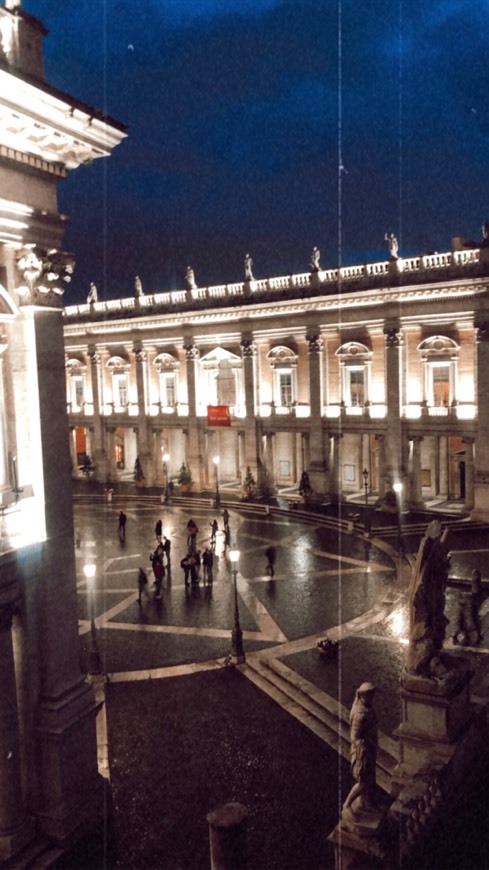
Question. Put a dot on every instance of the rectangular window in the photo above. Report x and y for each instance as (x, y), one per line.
(120, 391)
(357, 387)
(78, 391)
(285, 387)
(441, 385)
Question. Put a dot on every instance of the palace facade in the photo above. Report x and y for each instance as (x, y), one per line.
(49, 780)
(374, 374)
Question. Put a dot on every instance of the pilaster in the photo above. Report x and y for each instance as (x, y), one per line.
(481, 446)
(393, 344)
(318, 469)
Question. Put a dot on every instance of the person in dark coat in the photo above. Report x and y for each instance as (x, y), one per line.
(122, 526)
(158, 528)
(142, 584)
(167, 549)
(271, 556)
(207, 562)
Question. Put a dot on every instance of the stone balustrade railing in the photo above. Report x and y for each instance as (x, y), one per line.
(253, 289)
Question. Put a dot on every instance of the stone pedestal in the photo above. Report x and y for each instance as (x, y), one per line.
(436, 712)
(357, 840)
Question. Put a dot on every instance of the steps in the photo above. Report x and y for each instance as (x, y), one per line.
(37, 855)
(319, 712)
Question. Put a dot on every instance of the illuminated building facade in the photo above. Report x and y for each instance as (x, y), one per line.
(380, 367)
(49, 781)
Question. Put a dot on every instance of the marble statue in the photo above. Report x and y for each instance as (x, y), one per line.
(363, 751)
(248, 267)
(138, 287)
(316, 253)
(190, 279)
(393, 245)
(427, 620)
(92, 294)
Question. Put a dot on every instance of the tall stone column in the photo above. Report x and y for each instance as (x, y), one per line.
(73, 454)
(481, 445)
(194, 445)
(99, 457)
(318, 466)
(111, 461)
(71, 793)
(416, 490)
(15, 828)
(469, 473)
(393, 342)
(269, 460)
(159, 477)
(335, 487)
(382, 482)
(144, 429)
(443, 465)
(251, 452)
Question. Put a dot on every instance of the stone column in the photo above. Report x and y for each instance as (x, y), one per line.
(159, 477)
(416, 490)
(98, 457)
(269, 460)
(381, 441)
(469, 472)
(335, 477)
(194, 445)
(318, 466)
(112, 471)
(73, 454)
(481, 445)
(144, 433)
(15, 828)
(251, 453)
(443, 465)
(393, 342)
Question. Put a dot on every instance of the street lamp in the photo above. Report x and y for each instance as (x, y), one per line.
(367, 515)
(397, 487)
(237, 651)
(94, 666)
(216, 461)
(166, 457)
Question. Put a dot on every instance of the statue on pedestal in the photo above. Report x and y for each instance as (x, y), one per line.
(190, 278)
(138, 287)
(363, 752)
(92, 294)
(316, 253)
(393, 245)
(248, 268)
(427, 620)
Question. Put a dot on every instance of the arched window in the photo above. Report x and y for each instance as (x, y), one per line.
(440, 357)
(283, 362)
(355, 363)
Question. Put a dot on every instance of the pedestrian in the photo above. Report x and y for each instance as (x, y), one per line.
(158, 528)
(122, 526)
(167, 549)
(227, 538)
(207, 563)
(214, 529)
(142, 584)
(192, 530)
(197, 564)
(271, 556)
(225, 518)
(159, 573)
(185, 565)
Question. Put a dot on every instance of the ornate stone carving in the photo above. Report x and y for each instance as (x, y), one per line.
(191, 351)
(248, 347)
(95, 357)
(393, 337)
(316, 343)
(140, 355)
(43, 275)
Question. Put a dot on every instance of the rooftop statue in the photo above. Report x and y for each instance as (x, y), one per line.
(470, 243)
(427, 620)
(393, 245)
(92, 294)
(316, 253)
(138, 287)
(190, 278)
(248, 267)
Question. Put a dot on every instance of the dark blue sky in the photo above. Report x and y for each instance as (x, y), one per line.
(239, 112)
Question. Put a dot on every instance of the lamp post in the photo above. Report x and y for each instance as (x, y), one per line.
(237, 651)
(216, 461)
(166, 457)
(94, 666)
(398, 491)
(367, 515)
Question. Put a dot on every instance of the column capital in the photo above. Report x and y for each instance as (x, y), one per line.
(95, 357)
(393, 336)
(140, 355)
(248, 347)
(315, 342)
(416, 438)
(482, 332)
(191, 351)
(468, 439)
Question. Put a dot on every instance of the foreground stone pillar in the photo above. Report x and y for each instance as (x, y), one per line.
(227, 837)
(393, 343)
(469, 473)
(194, 452)
(251, 454)
(15, 827)
(481, 447)
(98, 457)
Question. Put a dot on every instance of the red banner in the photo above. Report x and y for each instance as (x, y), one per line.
(218, 415)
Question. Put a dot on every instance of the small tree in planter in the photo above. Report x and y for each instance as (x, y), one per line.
(249, 484)
(184, 478)
(138, 474)
(305, 488)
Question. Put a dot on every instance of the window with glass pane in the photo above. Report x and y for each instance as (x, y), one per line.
(285, 384)
(169, 390)
(120, 390)
(357, 387)
(441, 385)
(78, 390)
(226, 384)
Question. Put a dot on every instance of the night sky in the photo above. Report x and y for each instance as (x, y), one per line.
(240, 114)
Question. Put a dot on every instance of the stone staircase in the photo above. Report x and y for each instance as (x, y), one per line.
(315, 709)
(37, 855)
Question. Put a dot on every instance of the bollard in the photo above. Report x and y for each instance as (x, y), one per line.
(227, 836)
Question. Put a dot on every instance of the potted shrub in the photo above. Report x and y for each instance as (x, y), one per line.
(249, 484)
(184, 478)
(305, 488)
(138, 474)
